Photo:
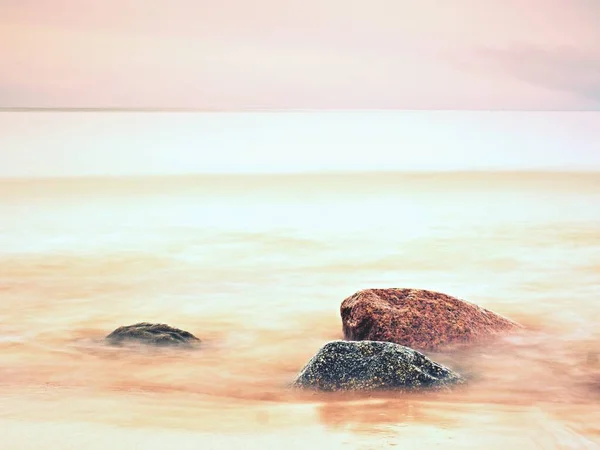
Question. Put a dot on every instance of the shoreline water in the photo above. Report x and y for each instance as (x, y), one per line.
(258, 272)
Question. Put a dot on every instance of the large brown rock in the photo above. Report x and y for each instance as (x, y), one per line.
(419, 319)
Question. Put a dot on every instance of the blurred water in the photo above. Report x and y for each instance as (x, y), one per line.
(257, 267)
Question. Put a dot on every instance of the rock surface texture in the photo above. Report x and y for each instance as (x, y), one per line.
(370, 365)
(420, 319)
(151, 334)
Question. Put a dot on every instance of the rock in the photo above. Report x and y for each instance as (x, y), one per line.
(151, 334)
(370, 365)
(419, 319)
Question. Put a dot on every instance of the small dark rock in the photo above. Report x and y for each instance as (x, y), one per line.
(371, 365)
(151, 334)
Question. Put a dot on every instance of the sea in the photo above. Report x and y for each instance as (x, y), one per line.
(256, 266)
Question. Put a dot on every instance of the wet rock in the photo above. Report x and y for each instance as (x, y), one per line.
(151, 334)
(370, 365)
(419, 319)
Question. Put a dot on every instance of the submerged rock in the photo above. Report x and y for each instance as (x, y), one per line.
(370, 365)
(152, 334)
(417, 318)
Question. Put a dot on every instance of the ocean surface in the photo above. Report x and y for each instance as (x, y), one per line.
(257, 266)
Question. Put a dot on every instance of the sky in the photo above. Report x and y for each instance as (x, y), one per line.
(457, 78)
(52, 144)
(312, 54)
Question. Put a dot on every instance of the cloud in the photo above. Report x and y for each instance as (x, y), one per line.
(278, 55)
(564, 68)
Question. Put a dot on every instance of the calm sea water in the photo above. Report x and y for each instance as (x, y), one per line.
(257, 266)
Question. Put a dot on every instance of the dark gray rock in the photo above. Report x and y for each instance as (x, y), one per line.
(372, 365)
(152, 334)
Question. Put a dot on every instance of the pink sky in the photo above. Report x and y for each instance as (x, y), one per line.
(284, 54)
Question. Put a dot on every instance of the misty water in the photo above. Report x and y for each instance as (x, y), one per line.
(257, 266)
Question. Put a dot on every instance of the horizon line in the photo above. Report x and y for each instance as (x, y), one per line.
(117, 109)
(488, 171)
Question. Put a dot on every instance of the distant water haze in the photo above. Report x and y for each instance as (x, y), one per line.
(257, 266)
(50, 144)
